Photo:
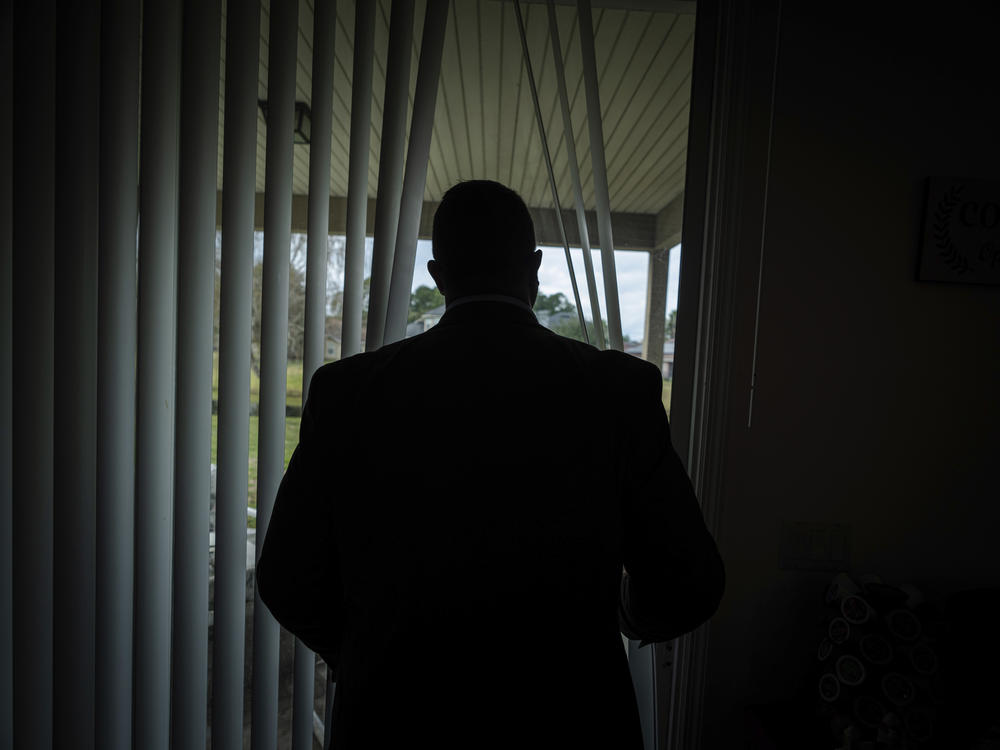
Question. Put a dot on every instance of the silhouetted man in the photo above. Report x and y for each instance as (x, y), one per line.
(452, 528)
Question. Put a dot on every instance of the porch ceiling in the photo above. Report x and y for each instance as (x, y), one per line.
(484, 121)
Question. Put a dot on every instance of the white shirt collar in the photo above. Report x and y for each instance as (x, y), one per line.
(490, 298)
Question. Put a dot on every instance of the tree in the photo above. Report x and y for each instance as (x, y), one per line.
(296, 303)
(670, 330)
(296, 313)
(423, 299)
(336, 300)
(553, 303)
(296, 290)
(571, 329)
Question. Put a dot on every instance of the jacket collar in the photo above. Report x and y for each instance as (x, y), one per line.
(488, 307)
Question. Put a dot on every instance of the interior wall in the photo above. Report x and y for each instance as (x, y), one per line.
(878, 396)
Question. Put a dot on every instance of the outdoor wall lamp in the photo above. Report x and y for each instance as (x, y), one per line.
(302, 124)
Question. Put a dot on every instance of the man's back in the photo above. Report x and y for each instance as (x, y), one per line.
(473, 494)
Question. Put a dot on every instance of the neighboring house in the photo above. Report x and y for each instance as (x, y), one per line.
(413, 329)
(334, 336)
(425, 322)
(668, 360)
(553, 320)
(667, 365)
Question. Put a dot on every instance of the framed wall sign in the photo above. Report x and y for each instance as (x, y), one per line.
(961, 238)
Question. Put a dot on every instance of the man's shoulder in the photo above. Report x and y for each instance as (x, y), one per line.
(636, 374)
(348, 375)
(615, 362)
(356, 368)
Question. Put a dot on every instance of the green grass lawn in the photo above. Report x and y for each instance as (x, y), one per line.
(291, 440)
(294, 383)
(667, 387)
(293, 386)
(293, 397)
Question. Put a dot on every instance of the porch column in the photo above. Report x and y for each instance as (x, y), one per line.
(656, 306)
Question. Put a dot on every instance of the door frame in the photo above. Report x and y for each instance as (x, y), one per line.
(732, 105)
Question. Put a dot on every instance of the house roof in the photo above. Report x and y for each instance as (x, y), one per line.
(435, 312)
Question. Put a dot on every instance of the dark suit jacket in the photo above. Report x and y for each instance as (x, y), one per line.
(452, 528)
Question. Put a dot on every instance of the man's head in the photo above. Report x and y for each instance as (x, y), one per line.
(484, 243)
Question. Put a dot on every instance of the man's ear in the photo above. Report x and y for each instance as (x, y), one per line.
(434, 269)
(537, 259)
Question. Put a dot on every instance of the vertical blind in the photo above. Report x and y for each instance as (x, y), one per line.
(108, 264)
